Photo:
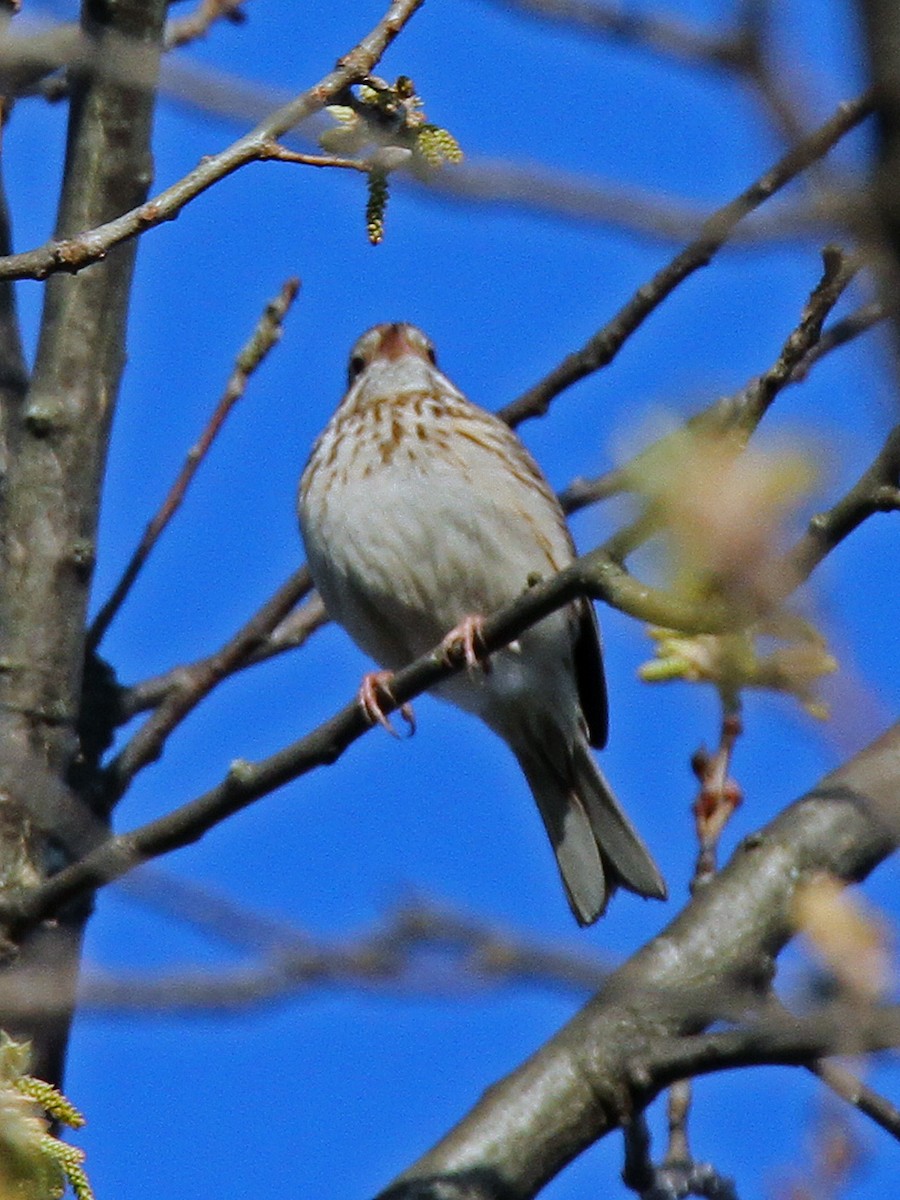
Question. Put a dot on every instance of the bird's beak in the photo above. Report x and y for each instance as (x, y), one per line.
(395, 343)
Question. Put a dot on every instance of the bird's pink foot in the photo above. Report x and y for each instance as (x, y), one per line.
(370, 702)
(467, 638)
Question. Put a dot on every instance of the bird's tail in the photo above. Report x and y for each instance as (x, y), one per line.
(597, 848)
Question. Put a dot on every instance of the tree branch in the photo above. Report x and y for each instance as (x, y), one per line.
(586, 1080)
(93, 243)
(595, 574)
(181, 30)
(273, 636)
(600, 350)
(662, 35)
(265, 336)
(876, 490)
(583, 492)
(188, 685)
(881, 22)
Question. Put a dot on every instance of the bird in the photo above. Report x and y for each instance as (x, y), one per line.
(421, 513)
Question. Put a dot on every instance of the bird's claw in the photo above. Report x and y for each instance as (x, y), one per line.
(467, 639)
(380, 681)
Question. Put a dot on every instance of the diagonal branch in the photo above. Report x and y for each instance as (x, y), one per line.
(595, 574)
(612, 1055)
(274, 634)
(666, 36)
(265, 336)
(599, 574)
(602, 348)
(877, 490)
(90, 245)
(194, 682)
(582, 492)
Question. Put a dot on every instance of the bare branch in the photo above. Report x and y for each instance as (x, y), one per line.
(246, 782)
(595, 574)
(846, 1085)
(755, 400)
(604, 345)
(420, 949)
(265, 336)
(839, 334)
(187, 686)
(583, 492)
(276, 153)
(663, 35)
(576, 1088)
(786, 1040)
(881, 26)
(289, 633)
(181, 30)
(78, 250)
(876, 490)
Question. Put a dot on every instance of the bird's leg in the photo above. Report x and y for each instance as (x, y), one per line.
(380, 681)
(467, 638)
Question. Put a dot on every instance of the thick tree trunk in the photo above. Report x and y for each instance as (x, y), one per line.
(55, 434)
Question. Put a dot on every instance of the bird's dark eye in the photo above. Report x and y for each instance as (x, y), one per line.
(355, 368)
(432, 357)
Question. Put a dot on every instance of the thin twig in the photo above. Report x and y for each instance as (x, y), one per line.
(420, 949)
(604, 345)
(583, 492)
(679, 1173)
(265, 336)
(719, 794)
(289, 633)
(275, 152)
(665, 36)
(876, 491)
(869, 1102)
(191, 684)
(181, 30)
(73, 253)
(839, 334)
(757, 397)
(742, 412)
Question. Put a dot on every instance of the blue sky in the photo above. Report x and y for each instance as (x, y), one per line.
(334, 1092)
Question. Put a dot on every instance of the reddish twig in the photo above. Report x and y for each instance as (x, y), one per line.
(265, 336)
(718, 797)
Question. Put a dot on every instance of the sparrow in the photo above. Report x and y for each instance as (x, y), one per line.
(421, 514)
